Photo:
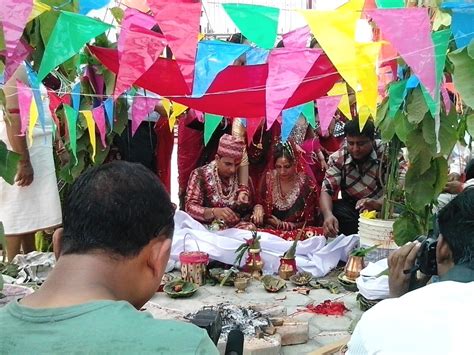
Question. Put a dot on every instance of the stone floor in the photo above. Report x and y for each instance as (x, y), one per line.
(322, 329)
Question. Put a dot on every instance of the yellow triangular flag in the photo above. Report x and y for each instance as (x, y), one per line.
(201, 36)
(166, 105)
(33, 120)
(344, 106)
(178, 109)
(335, 32)
(352, 5)
(367, 55)
(91, 128)
(38, 9)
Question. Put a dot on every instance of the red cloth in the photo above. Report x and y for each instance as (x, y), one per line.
(238, 91)
(163, 151)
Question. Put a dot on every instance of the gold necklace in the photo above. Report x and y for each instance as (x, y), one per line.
(259, 145)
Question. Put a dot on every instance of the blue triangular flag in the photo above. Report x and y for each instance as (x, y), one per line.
(289, 117)
(35, 87)
(257, 55)
(212, 58)
(462, 26)
(109, 110)
(76, 96)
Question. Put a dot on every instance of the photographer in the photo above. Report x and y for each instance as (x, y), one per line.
(431, 319)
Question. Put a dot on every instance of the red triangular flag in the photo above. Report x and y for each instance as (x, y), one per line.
(142, 48)
(287, 67)
(179, 20)
(252, 126)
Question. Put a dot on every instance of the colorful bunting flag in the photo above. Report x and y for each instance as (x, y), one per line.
(71, 32)
(258, 23)
(76, 96)
(36, 88)
(33, 120)
(463, 26)
(289, 118)
(140, 5)
(390, 4)
(99, 117)
(135, 17)
(287, 67)
(344, 105)
(71, 118)
(446, 99)
(38, 9)
(54, 102)
(396, 96)
(212, 58)
(178, 110)
(141, 49)
(166, 105)
(256, 56)
(16, 58)
(335, 32)
(252, 126)
(25, 97)
(417, 50)
(91, 128)
(109, 110)
(142, 106)
(14, 16)
(308, 112)
(327, 107)
(85, 6)
(179, 20)
(367, 54)
(210, 124)
(297, 38)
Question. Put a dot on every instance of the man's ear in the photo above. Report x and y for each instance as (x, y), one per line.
(159, 255)
(57, 242)
(444, 255)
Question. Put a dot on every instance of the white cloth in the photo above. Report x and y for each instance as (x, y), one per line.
(34, 266)
(435, 319)
(37, 206)
(459, 158)
(312, 255)
(371, 284)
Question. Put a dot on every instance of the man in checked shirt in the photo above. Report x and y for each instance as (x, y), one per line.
(355, 171)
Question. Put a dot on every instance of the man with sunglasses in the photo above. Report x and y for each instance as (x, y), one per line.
(356, 170)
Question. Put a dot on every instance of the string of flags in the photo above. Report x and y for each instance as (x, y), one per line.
(278, 84)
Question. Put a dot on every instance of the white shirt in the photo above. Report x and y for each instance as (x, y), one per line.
(435, 319)
(459, 158)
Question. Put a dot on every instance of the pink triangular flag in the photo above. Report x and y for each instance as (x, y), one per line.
(409, 31)
(16, 58)
(446, 99)
(135, 17)
(14, 16)
(297, 38)
(287, 67)
(142, 48)
(252, 126)
(98, 114)
(25, 95)
(142, 106)
(179, 20)
(327, 107)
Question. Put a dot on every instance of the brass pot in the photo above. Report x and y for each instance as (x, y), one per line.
(240, 284)
(353, 267)
(287, 268)
(254, 263)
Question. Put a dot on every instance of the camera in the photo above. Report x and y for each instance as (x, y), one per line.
(426, 256)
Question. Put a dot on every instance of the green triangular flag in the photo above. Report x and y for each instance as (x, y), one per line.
(308, 112)
(390, 4)
(210, 124)
(396, 95)
(441, 42)
(258, 23)
(71, 32)
(71, 117)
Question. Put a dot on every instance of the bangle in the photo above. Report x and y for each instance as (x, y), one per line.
(13, 110)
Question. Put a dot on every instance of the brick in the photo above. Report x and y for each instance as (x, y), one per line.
(293, 332)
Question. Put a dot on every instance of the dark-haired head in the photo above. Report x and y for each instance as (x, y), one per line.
(238, 38)
(456, 226)
(352, 129)
(116, 208)
(469, 171)
(283, 150)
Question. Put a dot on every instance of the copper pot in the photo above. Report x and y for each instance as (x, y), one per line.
(287, 268)
(353, 267)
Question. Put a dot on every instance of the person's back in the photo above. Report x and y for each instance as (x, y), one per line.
(112, 253)
(113, 327)
(434, 319)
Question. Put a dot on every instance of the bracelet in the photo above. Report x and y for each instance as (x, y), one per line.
(243, 188)
(13, 110)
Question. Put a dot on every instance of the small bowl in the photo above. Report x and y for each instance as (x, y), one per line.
(348, 284)
(180, 289)
(241, 283)
(273, 284)
(301, 278)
